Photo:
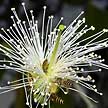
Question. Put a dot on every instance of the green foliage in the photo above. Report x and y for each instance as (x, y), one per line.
(75, 2)
(96, 17)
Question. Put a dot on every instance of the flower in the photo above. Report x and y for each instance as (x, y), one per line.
(51, 59)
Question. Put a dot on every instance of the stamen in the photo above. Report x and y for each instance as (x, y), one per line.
(43, 22)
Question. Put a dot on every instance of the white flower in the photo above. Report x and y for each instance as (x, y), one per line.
(51, 59)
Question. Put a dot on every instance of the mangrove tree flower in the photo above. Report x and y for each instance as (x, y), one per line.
(51, 59)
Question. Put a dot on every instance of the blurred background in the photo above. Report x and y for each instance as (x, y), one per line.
(96, 13)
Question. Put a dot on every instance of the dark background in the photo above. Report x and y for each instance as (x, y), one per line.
(96, 13)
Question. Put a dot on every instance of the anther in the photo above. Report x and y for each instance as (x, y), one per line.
(49, 17)
(101, 94)
(12, 9)
(93, 80)
(45, 103)
(85, 25)
(61, 18)
(79, 21)
(23, 3)
(93, 28)
(27, 103)
(23, 22)
(94, 86)
(31, 11)
(77, 68)
(10, 27)
(35, 100)
(100, 70)
(52, 16)
(105, 30)
(83, 20)
(99, 56)
(44, 7)
(8, 30)
(65, 93)
(42, 93)
(2, 28)
(82, 69)
(82, 12)
(95, 90)
(8, 82)
(48, 87)
(12, 17)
